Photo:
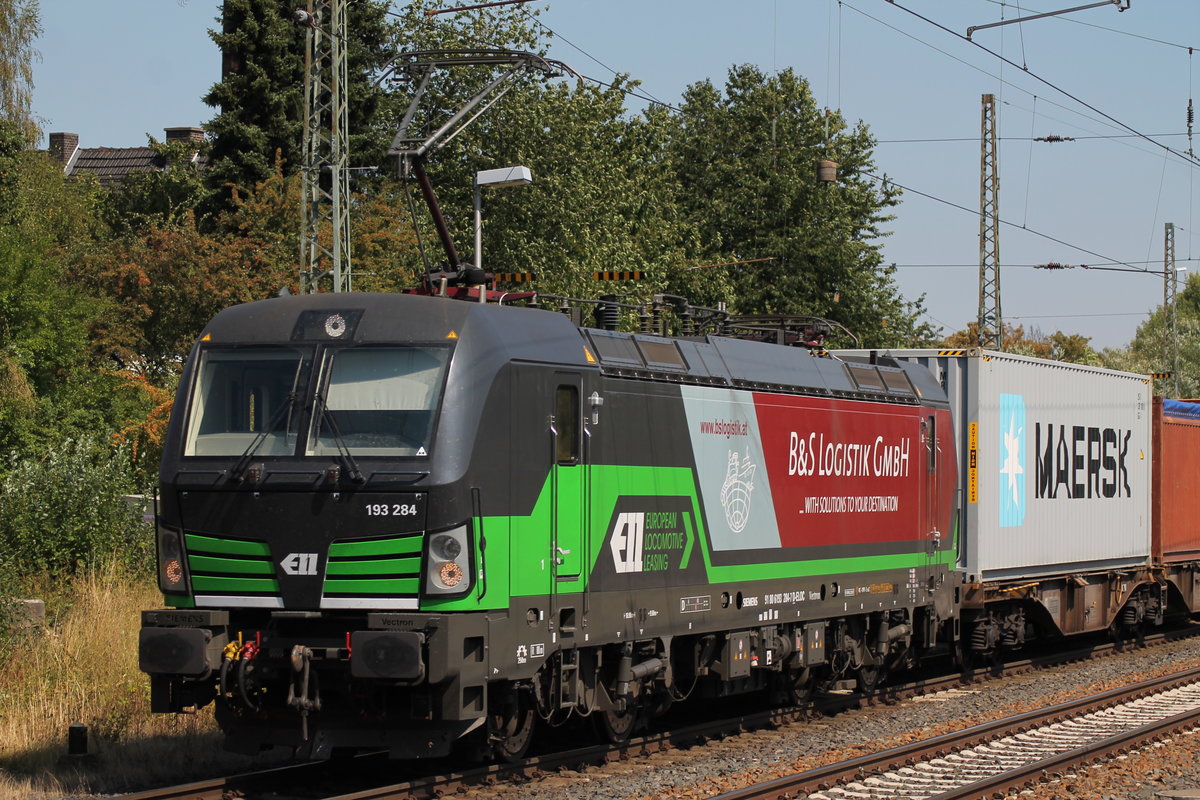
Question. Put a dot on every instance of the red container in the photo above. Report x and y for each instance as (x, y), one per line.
(1176, 500)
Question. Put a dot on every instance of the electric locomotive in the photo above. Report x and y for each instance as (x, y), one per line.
(406, 522)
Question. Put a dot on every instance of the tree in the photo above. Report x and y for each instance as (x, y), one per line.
(597, 201)
(1146, 353)
(43, 337)
(54, 382)
(746, 165)
(165, 284)
(1057, 346)
(20, 25)
(381, 234)
(165, 196)
(12, 145)
(261, 93)
(162, 282)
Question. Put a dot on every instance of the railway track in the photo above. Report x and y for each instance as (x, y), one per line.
(375, 778)
(1007, 755)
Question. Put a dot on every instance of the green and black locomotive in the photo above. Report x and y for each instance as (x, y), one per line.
(407, 522)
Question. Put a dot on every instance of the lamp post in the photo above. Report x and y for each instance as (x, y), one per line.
(504, 176)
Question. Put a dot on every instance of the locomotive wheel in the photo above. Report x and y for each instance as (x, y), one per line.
(868, 677)
(616, 726)
(511, 730)
(798, 687)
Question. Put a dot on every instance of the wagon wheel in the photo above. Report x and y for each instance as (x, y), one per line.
(510, 729)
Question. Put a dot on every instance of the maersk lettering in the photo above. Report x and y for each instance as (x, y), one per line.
(1081, 462)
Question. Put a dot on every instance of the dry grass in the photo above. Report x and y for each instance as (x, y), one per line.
(83, 668)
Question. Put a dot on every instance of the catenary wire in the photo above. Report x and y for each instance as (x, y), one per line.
(1104, 28)
(1037, 233)
(991, 75)
(1183, 156)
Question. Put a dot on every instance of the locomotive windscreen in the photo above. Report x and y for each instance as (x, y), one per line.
(246, 393)
(369, 401)
(379, 401)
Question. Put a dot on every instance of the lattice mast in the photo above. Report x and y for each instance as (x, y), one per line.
(1170, 328)
(325, 176)
(990, 321)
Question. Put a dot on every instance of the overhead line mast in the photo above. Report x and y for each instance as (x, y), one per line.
(324, 170)
(990, 330)
(1170, 326)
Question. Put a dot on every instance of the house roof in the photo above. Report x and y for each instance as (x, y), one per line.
(111, 164)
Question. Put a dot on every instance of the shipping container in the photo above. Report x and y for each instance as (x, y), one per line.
(1055, 463)
(1176, 474)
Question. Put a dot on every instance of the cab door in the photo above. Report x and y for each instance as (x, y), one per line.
(568, 477)
(934, 536)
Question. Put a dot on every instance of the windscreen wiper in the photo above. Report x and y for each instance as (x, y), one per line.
(324, 415)
(284, 409)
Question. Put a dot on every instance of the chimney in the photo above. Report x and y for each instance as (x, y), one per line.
(183, 134)
(63, 146)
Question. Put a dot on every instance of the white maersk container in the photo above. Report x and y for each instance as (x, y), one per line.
(1054, 462)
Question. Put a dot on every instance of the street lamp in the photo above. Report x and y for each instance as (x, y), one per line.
(504, 176)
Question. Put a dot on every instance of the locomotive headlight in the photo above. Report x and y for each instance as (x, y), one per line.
(172, 578)
(450, 574)
(446, 547)
(448, 562)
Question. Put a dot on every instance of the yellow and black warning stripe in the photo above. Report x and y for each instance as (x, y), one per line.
(618, 275)
(515, 277)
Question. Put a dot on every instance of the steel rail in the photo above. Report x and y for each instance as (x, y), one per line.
(1094, 752)
(828, 776)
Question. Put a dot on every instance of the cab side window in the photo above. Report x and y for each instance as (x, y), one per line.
(566, 420)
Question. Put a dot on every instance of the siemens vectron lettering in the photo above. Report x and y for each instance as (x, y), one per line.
(1077, 461)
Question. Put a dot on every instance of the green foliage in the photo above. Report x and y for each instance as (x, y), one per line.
(745, 163)
(63, 510)
(43, 332)
(1147, 353)
(12, 143)
(261, 93)
(20, 25)
(1057, 346)
(596, 198)
(60, 213)
(56, 379)
(164, 197)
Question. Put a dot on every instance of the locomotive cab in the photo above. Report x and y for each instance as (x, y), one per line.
(318, 515)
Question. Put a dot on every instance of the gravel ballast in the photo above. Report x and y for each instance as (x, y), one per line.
(707, 770)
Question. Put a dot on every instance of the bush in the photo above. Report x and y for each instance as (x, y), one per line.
(64, 510)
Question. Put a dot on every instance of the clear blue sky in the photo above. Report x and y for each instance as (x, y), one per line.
(116, 74)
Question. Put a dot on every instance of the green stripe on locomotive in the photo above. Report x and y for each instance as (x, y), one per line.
(515, 551)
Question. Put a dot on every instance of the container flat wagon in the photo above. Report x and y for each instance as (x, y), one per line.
(1054, 509)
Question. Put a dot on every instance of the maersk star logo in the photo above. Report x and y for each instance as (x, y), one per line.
(1012, 460)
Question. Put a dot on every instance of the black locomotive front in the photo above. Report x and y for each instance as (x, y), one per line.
(315, 518)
